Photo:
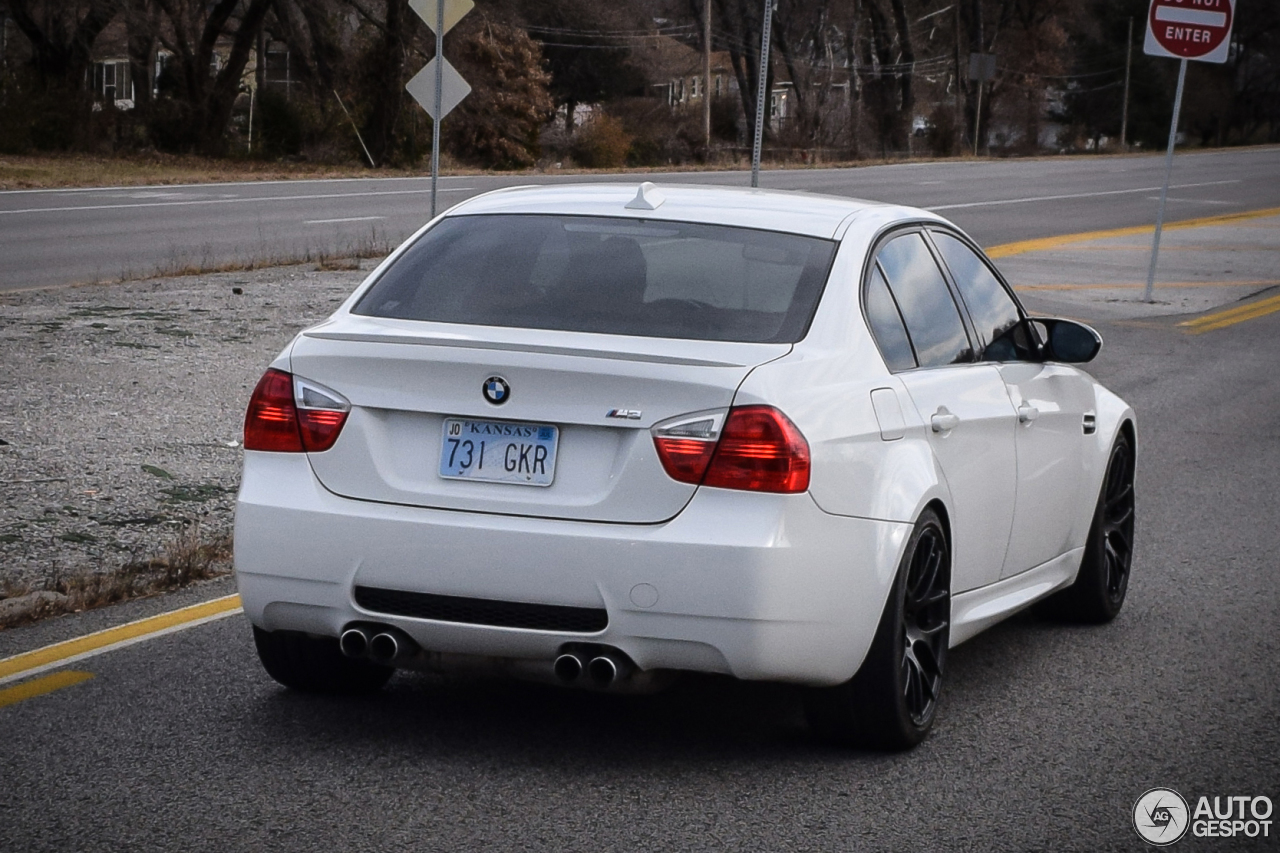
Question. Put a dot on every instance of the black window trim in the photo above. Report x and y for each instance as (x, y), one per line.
(915, 356)
(898, 229)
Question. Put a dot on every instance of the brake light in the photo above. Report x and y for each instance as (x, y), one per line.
(288, 414)
(685, 459)
(759, 449)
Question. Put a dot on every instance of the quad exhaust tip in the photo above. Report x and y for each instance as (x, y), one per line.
(568, 667)
(354, 642)
(376, 643)
(602, 670)
(384, 648)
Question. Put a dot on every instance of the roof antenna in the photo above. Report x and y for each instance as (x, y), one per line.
(647, 198)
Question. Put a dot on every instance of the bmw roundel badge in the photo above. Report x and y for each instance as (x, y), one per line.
(496, 390)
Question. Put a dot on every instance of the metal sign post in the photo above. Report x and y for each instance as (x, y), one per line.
(982, 67)
(1164, 190)
(762, 108)
(1177, 29)
(438, 87)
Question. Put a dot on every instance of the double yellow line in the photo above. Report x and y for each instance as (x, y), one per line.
(1231, 316)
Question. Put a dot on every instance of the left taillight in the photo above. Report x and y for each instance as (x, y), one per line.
(289, 414)
(749, 448)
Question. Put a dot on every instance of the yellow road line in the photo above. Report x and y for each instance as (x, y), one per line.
(1008, 249)
(1146, 247)
(60, 654)
(41, 686)
(1161, 285)
(1231, 316)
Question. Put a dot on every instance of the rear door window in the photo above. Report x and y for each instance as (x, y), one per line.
(932, 319)
(614, 276)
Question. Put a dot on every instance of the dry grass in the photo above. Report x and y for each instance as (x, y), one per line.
(345, 258)
(78, 170)
(82, 170)
(187, 558)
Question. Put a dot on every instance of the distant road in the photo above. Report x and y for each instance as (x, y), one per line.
(51, 237)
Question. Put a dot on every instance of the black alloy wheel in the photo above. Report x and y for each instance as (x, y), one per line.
(926, 618)
(891, 702)
(1117, 522)
(1100, 588)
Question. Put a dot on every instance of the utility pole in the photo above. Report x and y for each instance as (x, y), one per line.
(706, 73)
(1124, 110)
(957, 112)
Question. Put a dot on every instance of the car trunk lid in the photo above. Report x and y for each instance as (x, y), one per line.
(406, 380)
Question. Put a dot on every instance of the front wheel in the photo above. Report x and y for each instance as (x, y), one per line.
(891, 702)
(1100, 587)
(316, 664)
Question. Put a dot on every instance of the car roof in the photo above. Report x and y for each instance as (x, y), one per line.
(810, 214)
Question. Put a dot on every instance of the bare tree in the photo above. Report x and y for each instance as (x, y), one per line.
(62, 35)
(193, 32)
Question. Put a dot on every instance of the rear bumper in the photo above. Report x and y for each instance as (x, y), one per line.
(765, 587)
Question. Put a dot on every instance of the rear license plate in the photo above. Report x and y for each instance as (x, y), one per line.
(499, 452)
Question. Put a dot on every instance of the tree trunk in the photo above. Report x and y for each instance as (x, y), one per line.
(222, 97)
(389, 79)
(906, 106)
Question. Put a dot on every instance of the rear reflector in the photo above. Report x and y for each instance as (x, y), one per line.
(759, 449)
(288, 414)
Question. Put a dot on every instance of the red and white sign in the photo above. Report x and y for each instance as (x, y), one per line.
(1190, 29)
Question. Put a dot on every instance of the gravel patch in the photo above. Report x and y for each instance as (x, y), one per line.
(121, 411)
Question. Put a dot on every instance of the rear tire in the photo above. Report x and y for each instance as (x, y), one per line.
(315, 664)
(891, 702)
(1100, 587)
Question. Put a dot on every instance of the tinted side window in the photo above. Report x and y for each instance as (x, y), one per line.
(931, 315)
(989, 304)
(886, 324)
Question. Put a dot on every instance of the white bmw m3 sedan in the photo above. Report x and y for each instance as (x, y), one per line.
(602, 434)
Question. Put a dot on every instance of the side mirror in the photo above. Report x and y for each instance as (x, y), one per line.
(1068, 341)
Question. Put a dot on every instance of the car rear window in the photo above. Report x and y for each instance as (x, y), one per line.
(609, 275)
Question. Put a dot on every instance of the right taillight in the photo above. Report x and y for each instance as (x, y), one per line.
(758, 449)
(288, 414)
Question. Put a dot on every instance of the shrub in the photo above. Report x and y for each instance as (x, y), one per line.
(602, 143)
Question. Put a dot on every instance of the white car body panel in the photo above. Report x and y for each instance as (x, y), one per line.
(759, 592)
(403, 382)
(759, 586)
(978, 463)
(1054, 505)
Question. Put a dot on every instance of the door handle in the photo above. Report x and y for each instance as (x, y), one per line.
(944, 422)
(1027, 414)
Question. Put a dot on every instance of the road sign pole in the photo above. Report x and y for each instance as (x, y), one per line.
(435, 121)
(1168, 172)
(762, 108)
(977, 119)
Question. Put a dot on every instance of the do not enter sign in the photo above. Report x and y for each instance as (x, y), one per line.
(1190, 29)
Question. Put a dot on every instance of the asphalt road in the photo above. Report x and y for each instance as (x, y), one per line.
(1046, 737)
(64, 236)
